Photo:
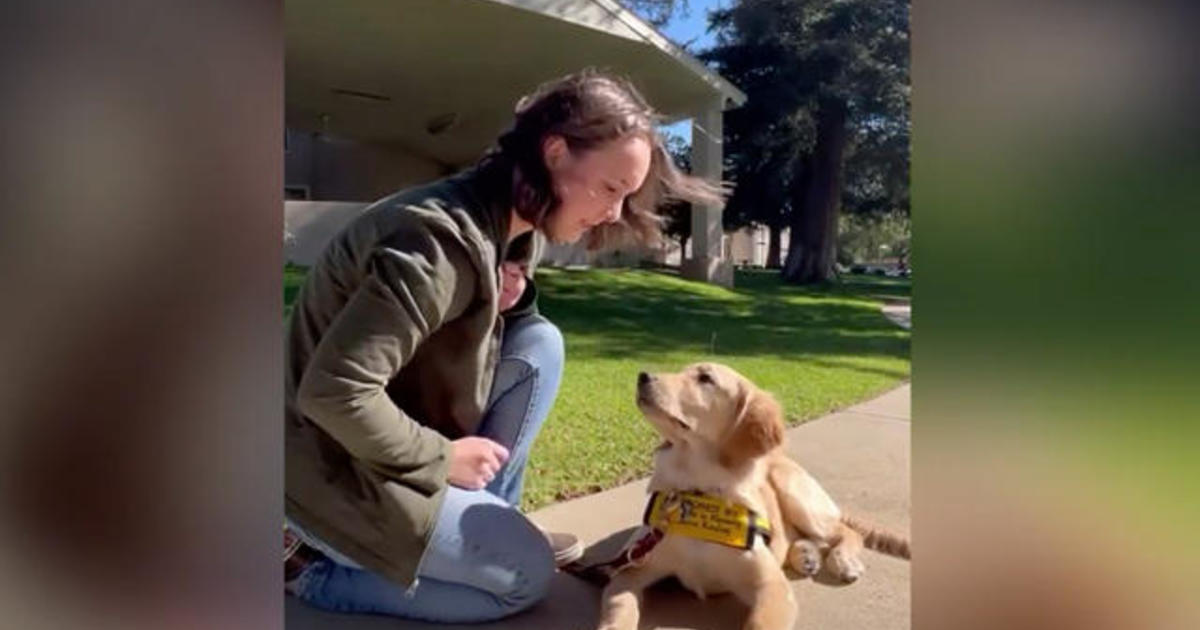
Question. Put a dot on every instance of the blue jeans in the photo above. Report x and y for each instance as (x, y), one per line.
(485, 560)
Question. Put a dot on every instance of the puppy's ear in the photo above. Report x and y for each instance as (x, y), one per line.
(757, 430)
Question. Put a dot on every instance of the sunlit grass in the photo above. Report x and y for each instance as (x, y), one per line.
(816, 349)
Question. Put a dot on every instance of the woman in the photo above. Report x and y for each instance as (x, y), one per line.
(412, 402)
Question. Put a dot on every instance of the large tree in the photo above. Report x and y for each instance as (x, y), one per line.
(764, 137)
(819, 76)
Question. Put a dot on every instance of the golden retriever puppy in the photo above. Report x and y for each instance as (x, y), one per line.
(723, 439)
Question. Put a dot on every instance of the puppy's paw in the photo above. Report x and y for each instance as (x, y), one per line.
(805, 558)
(846, 566)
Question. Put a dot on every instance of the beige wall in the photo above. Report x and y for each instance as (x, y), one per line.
(563, 255)
(338, 169)
(342, 177)
(748, 246)
(577, 254)
(308, 226)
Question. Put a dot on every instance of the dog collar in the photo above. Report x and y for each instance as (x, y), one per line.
(705, 517)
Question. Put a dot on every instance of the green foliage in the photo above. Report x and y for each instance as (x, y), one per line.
(871, 237)
(877, 168)
(798, 60)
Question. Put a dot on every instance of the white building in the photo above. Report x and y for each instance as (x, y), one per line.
(384, 94)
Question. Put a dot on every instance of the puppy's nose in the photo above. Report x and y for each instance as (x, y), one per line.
(643, 378)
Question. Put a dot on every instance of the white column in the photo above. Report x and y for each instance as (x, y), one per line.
(707, 261)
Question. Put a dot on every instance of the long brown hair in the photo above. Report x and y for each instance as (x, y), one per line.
(588, 109)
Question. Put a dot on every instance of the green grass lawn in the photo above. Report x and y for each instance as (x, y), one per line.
(816, 349)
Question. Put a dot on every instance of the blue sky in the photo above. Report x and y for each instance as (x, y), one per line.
(683, 30)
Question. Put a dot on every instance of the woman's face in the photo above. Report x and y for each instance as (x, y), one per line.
(512, 283)
(592, 184)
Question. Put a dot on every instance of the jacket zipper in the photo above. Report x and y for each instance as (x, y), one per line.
(412, 588)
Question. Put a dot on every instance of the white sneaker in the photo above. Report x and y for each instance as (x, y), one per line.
(567, 547)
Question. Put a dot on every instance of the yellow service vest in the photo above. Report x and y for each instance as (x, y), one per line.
(706, 517)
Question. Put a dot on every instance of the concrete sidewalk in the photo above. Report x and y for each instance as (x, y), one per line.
(899, 313)
(861, 457)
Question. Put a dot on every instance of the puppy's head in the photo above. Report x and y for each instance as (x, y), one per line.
(711, 404)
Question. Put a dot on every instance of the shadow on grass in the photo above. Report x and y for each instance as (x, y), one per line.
(637, 313)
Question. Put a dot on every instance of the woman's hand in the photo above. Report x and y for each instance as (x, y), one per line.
(474, 462)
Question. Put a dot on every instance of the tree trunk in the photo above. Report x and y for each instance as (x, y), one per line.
(816, 198)
(773, 246)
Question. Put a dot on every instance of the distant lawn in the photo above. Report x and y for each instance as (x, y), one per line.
(293, 279)
(816, 349)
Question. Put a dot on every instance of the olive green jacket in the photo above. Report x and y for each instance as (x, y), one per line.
(391, 348)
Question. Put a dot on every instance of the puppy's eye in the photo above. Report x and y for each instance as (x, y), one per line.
(704, 378)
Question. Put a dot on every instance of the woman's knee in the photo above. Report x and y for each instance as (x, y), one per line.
(510, 549)
(535, 570)
(535, 339)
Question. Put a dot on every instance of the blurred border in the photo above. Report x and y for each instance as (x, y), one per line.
(1055, 169)
(140, 332)
(1055, 198)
